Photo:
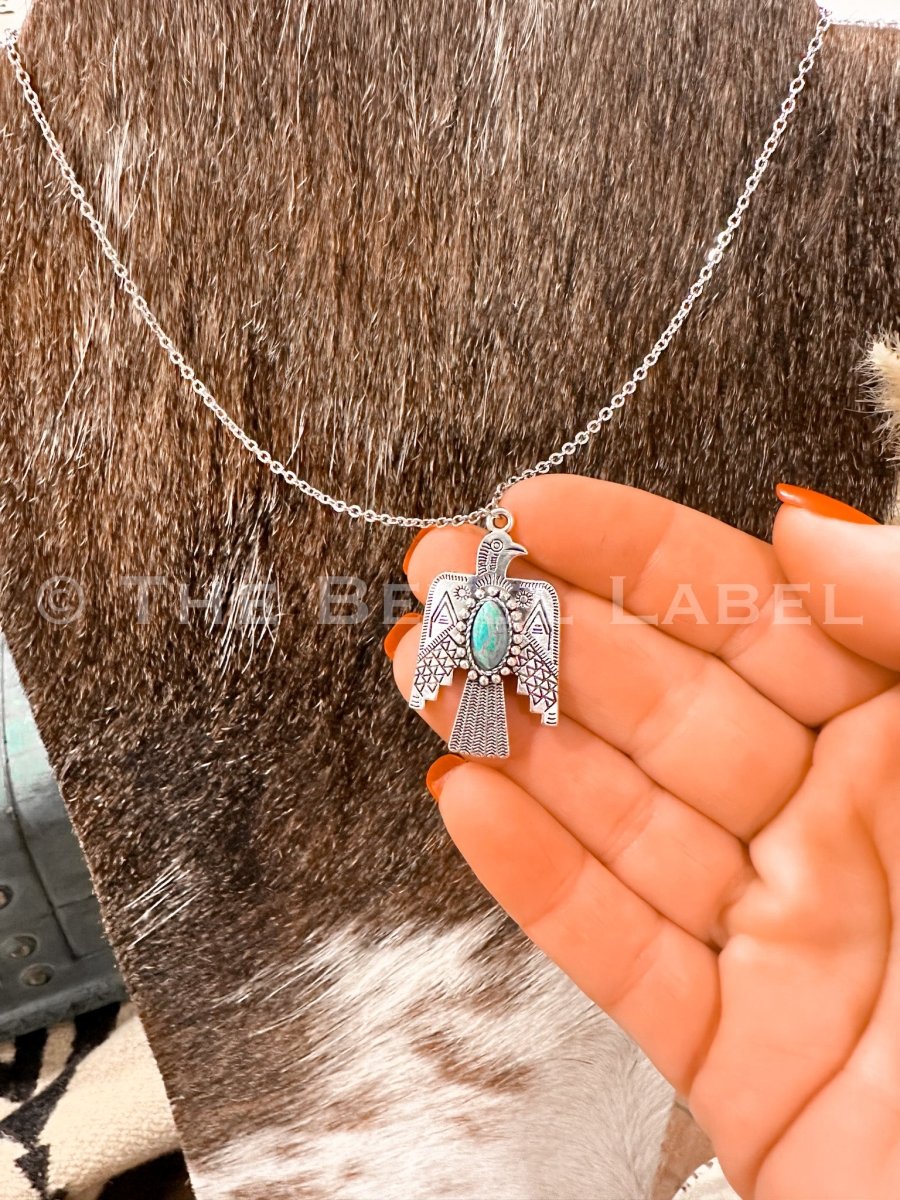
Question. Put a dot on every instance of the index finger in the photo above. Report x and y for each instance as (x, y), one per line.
(700, 580)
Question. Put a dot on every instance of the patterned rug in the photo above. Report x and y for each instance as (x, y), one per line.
(82, 1104)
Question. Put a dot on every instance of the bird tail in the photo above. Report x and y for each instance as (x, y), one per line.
(480, 726)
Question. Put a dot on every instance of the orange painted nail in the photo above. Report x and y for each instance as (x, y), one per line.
(395, 633)
(821, 505)
(412, 545)
(438, 770)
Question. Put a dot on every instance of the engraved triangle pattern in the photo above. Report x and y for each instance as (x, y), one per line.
(492, 627)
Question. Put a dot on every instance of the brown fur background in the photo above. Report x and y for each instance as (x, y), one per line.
(410, 247)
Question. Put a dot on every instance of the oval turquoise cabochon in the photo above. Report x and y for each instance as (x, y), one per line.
(490, 635)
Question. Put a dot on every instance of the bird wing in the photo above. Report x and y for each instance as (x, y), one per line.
(438, 655)
(537, 672)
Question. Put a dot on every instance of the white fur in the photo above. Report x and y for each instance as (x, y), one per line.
(583, 1114)
(172, 892)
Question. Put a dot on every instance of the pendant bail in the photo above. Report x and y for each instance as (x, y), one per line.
(505, 518)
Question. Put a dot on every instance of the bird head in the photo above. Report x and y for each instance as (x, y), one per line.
(496, 552)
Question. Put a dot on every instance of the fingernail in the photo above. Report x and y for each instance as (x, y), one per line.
(823, 506)
(412, 546)
(395, 633)
(438, 771)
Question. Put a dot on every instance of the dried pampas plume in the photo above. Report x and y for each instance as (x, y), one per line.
(883, 369)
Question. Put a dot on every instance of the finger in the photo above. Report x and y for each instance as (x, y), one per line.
(861, 1099)
(655, 980)
(809, 946)
(682, 863)
(849, 574)
(692, 724)
(700, 580)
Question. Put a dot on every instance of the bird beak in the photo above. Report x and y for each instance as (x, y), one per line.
(515, 548)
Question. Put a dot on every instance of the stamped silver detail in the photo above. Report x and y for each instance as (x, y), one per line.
(531, 653)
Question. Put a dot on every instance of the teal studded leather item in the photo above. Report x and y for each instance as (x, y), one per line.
(55, 961)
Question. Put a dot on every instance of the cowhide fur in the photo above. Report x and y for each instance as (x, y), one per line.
(883, 367)
(410, 247)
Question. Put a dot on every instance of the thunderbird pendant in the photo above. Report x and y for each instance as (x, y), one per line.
(491, 627)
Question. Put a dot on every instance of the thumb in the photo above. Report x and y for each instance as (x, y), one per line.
(846, 569)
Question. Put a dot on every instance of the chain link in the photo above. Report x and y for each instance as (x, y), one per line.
(721, 244)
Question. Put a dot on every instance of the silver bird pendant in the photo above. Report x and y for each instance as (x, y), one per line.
(491, 627)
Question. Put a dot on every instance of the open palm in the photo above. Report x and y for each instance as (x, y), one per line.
(709, 842)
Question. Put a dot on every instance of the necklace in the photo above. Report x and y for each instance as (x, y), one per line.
(486, 624)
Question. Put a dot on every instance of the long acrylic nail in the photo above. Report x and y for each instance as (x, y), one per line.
(394, 635)
(438, 772)
(412, 546)
(820, 504)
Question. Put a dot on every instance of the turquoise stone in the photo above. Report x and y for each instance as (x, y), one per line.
(490, 636)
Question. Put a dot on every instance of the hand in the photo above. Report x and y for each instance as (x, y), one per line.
(709, 842)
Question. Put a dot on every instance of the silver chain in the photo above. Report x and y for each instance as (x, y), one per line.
(721, 244)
